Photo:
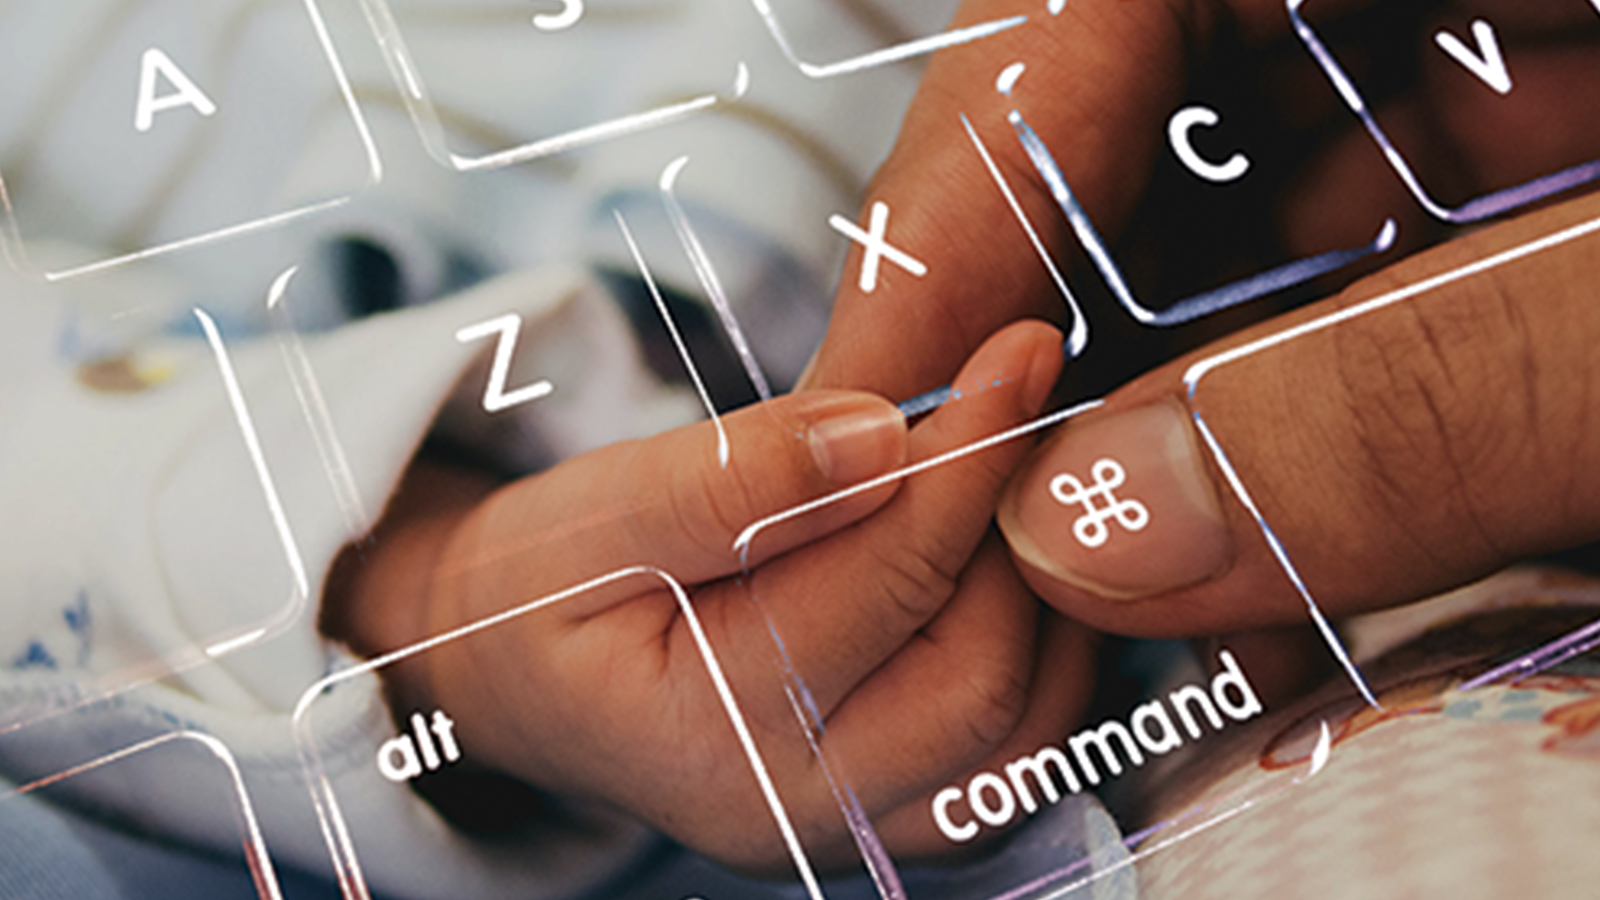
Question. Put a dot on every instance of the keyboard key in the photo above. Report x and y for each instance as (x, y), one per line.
(432, 749)
(492, 84)
(1209, 206)
(1495, 87)
(193, 486)
(133, 129)
(836, 37)
(1036, 789)
(91, 460)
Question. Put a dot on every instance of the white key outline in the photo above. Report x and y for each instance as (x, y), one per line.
(707, 274)
(1078, 334)
(430, 126)
(347, 866)
(17, 255)
(879, 864)
(308, 392)
(746, 537)
(258, 459)
(1473, 210)
(885, 55)
(314, 406)
(1196, 373)
(723, 449)
(254, 845)
(1069, 878)
(1196, 306)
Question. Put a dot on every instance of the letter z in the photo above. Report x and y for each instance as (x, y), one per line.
(495, 397)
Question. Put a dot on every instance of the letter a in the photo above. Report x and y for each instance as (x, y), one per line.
(1168, 739)
(187, 93)
(406, 766)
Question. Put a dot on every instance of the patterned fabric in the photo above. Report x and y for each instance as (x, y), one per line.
(1445, 793)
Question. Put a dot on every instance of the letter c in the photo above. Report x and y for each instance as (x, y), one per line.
(1178, 127)
(941, 817)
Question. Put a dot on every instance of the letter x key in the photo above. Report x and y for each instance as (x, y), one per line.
(877, 247)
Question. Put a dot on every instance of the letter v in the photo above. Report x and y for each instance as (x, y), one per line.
(495, 397)
(1486, 63)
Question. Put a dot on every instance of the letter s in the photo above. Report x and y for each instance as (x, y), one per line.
(571, 12)
(941, 817)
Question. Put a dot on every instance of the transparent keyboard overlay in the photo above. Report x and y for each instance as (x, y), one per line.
(136, 129)
(117, 788)
(431, 743)
(469, 120)
(220, 496)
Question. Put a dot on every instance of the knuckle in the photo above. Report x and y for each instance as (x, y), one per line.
(712, 505)
(991, 699)
(917, 580)
(994, 467)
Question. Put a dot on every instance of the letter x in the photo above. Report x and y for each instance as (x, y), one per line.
(877, 247)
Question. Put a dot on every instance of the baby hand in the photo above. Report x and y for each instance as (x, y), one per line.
(895, 605)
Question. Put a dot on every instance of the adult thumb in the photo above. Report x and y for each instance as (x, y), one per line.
(1425, 427)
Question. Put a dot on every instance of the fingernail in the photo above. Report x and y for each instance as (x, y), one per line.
(1024, 359)
(1043, 369)
(864, 439)
(1121, 505)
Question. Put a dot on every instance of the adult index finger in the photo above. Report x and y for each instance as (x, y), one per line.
(1096, 78)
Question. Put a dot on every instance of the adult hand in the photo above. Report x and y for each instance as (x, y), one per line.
(1396, 454)
(1405, 450)
(1102, 79)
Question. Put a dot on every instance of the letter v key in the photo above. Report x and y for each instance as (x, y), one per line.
(1487, 63)
(495, 397)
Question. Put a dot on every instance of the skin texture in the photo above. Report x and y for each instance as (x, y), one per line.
(1396, 456)
(1401, 455)
(898, 608)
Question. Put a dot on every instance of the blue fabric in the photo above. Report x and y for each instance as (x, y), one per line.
(41, 858)
(48, 853)
(1074, 842)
